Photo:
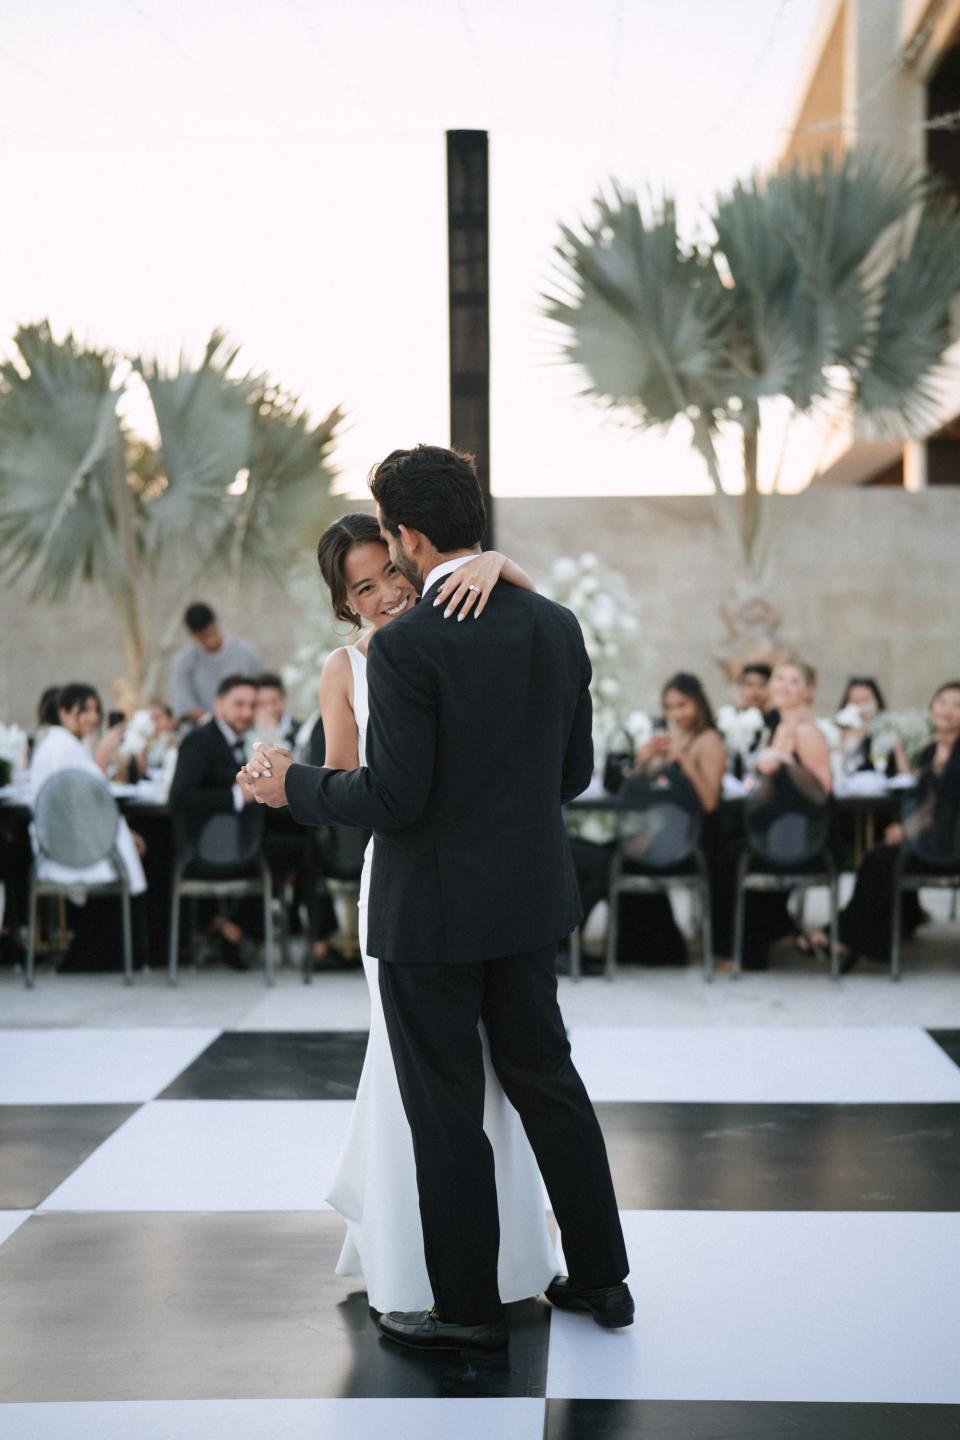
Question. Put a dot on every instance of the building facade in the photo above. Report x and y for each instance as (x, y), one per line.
(877, 73)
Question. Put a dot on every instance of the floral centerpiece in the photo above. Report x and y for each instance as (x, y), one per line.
(910, 728)
(739, 727)
(138, 734)
(603, 603)
(13, 751)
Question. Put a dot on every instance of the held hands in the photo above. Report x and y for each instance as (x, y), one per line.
(263, 778)
(770, 760)
(469, 587)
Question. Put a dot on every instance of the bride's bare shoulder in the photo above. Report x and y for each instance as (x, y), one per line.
(336, 675)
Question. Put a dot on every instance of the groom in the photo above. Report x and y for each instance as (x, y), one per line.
(478, 734)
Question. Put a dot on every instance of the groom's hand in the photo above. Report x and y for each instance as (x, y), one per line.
(265, 774)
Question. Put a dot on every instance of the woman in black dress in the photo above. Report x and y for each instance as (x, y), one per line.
(857, 743)
(691, 743)
(795, 758)
(931, 821)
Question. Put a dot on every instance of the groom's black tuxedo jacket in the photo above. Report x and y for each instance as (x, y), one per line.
(479, 732)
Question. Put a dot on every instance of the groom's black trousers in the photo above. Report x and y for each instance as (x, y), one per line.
(432, 1013)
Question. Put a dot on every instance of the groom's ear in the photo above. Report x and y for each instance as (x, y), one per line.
(411, 540)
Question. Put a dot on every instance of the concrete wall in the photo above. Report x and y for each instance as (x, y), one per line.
(866, 580)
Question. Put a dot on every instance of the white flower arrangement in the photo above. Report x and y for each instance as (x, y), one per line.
(909, 728)
(13, 746)
(739, 727)
(639, 727)
(138, 734)
(849, 718)
(603, 603)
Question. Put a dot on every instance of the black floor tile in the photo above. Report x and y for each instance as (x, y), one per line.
(154, 1305)
(40, 1145)
(948, 1040)
(274, 1065)
(784, 1157)
(741, 1420)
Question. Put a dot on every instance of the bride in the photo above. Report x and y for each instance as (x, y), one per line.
(374, 1186)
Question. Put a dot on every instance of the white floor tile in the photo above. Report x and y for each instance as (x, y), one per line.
(11, 1220)
(94, 1067)
(212, 1155)
(786, 1305)
(753, 1065)
(477, 1419)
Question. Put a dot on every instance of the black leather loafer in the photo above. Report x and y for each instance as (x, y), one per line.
(424, 1330)
(610, 1305)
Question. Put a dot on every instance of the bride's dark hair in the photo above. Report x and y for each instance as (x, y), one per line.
(336, 542)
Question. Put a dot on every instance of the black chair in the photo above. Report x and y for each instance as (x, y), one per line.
(656, 848)
(76, 824)
(928, 861)
(787, 848)
(226, 858)
(338, 852)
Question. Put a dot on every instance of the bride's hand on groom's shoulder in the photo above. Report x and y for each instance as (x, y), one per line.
(469, 588)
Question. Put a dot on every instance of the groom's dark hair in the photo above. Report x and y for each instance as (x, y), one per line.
(432, 490)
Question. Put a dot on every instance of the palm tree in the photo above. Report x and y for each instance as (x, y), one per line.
(828, 287)
(239, 481)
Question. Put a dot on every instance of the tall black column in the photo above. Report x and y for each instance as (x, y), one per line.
(469, 280)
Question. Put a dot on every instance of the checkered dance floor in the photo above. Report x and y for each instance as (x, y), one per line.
(791, 1201)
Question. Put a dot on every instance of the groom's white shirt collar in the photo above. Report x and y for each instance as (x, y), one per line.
(447, 568)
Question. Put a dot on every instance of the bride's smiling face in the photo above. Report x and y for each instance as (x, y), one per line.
(375, 588)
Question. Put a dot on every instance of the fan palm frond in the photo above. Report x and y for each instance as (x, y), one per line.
(60, 444)
(206, 432)
(646, 318)
(899, 384)
(284, 505)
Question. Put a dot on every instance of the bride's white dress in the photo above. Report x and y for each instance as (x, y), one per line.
(374, 1186)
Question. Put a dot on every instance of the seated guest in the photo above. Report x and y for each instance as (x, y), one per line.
(276, 726)
(274, 723)
(208, 658)
(751, 707)
(795, 758)
(931, 820)
(164, 734)
(67, 746)
(753, 684)
(46, 715)
(204, 783)
(691, 747)
(856, 742)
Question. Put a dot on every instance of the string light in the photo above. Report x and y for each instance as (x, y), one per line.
(329, 57)
(754, 72)
(479, 64)
(616, 48)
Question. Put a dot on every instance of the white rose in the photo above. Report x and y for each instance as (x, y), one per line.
(564, 570)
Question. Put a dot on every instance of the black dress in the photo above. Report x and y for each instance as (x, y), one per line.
(648, 933)
(931, 817)
(767, 916)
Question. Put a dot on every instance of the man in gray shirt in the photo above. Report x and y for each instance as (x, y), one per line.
(208, 658)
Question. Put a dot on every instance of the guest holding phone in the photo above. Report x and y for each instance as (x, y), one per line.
(686, 742)
(931, 819)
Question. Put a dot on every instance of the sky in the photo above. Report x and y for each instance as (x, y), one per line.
(171, 166)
